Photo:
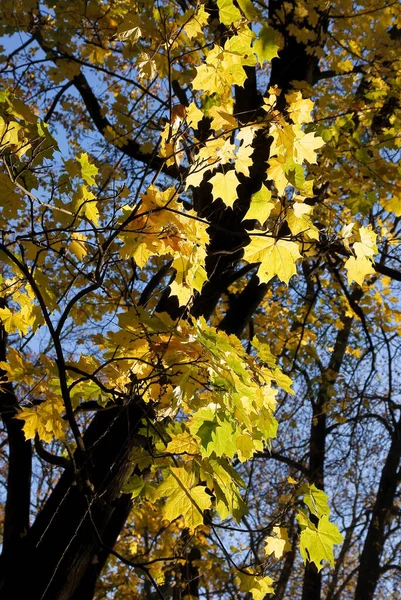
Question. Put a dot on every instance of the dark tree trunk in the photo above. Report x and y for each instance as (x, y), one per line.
(68, 533)
(369, 569)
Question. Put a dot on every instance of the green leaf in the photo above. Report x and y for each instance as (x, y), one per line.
(222, 442)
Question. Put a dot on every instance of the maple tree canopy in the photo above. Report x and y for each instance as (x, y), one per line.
(200, 210)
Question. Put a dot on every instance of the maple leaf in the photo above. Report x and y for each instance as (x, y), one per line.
(184, 498)
(358, 269)
(18, 321)
(193, 24)
(88, 171)
(299, 221)
(265, 46)
(225, 187)
(44, 420)
(77, 245)
(305, 147)
(367, 246)
(256, 585)
(316, 543)
(279, 544)
(228, 12)
(261, 206)
(129, 28)
(317, 501)
(222, 440)
(276, 257)
(84, 202)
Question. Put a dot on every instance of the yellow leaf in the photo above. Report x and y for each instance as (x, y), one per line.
(276, 257)
(44, 420)
(194, 25)
(265, 46)
(299, 221)
(77, 245)
(276, 173)
(83, 202)
(184, 498)
(367, 245)
(358, 269)
(129, 29)
(257, 586)
(394, 204)
(228, 12)
(194, 115)
(279, 544)
(88, 171)
(261, 206)
(299, 109)
(305, 147)
(225, 187)
(15, 321)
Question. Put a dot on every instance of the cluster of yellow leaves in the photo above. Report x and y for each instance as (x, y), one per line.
(18, 320)
(44, 418)
(159, 226)
(360, 264)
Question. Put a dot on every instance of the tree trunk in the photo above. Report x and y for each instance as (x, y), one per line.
(69, 531)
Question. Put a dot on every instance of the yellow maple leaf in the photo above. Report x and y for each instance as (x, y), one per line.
(184, 498)
(44, 420)
(256, 585)
(299, 108)
(260, 207)
(276, 257)
(358, 269)
(193, 25)
(18, 321)
(305, 147)
(84, 203)
(276, 173)
(367, 245)
(77, 245)
(299, 221)
(279, 544)
(194, 115)
(225, 187)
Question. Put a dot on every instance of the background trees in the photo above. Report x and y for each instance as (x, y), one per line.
(209, 155)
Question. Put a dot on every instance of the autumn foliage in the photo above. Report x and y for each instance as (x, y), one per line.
(199, 314)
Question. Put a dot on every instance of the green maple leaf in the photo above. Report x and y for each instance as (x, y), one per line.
(222, 442)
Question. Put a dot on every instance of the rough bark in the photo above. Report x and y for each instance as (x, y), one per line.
(69, 531)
